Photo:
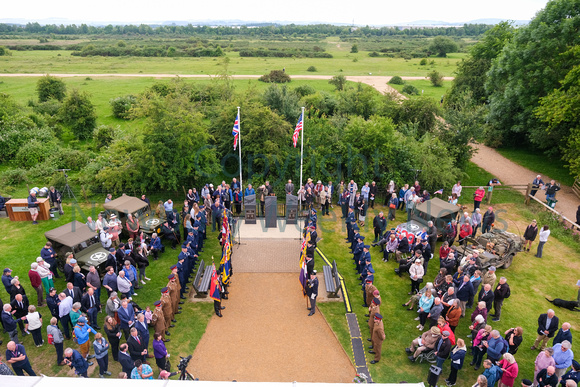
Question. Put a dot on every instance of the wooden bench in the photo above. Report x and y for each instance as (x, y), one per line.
(331, 280)
(198, 281)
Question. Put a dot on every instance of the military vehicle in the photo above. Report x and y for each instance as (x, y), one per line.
(496, 248)
(77, 237)
(125, 204)
(436, 210)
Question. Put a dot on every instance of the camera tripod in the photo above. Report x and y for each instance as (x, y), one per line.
(66, 190)
(182, 366)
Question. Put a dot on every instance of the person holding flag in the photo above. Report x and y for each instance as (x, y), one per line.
(215, 292)
(312, 292)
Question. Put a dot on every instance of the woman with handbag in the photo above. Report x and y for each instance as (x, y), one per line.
(393, 204)
(56, 338)
(160, 353)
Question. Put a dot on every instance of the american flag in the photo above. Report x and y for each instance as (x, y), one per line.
(236, 131)
(297, 130)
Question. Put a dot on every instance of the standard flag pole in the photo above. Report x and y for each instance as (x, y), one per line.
(301, 154)
(240, 153)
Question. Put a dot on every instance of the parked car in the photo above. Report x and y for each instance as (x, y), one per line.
(496, 248)
(436, 210)
(125, 204)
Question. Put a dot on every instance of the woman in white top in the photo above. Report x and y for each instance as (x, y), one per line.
(416, 272)
(45, 274)
(34, 325)
(101, 224)
(544, 233)
(457, 189)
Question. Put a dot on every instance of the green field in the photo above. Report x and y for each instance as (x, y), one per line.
(343, 62)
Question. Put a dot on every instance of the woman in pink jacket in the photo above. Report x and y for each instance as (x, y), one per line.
(478, 197)
(510, 370)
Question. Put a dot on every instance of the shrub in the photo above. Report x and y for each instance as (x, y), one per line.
(78, 113)
(49, 87)
(312, 69)
(436, 78)
(14, 176)
(396, 80)
(304, 90)
(338, 81)
(423, 62)
(354, 49)
(34, 152)
(49, 107)
(70, 159)
(275, 76)
(103, 136)
(410, 90)
(4, 51)
(121, 106)
(374, 54)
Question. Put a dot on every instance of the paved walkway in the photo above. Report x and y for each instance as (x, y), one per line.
(509, 172)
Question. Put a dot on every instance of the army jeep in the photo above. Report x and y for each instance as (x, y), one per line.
(496, 248)
(123, 205)
(77, 237)
(436, 210)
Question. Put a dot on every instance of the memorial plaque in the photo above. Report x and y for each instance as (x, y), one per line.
(271, 211)
(250, 209)
(291, 209)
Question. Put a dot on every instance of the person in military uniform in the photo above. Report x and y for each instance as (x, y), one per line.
(158, 321)
(167, 308)
(373, 310)
(377, 338)
(365, 261)
(174, 294)
(349, 223)
(358, 253)
(181, 276)
(176, 279)
(370, 290)
(355, 235)
(312, 292)
(369, 279)
(309, 263)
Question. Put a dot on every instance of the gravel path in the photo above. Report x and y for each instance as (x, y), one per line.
(509, 172)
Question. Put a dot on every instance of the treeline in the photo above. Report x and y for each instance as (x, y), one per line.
(321, 30)
(184, 137)
(149, 51)
(283, 53)
(527, 81)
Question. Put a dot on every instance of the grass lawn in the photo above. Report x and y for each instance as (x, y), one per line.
(21, 244)
(540, 163)
(526, 277)
(426, 89)
(342, 62)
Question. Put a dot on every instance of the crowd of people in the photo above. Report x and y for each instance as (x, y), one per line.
(73, 328)
(442, 304)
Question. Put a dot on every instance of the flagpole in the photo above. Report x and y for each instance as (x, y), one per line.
(301, 155)
(240, 153)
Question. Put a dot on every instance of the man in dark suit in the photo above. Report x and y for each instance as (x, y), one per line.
(547, 327)
(486, 295)
(90, 305)
(143, 330)
(125, 359)
(20, 309)
(73, 292)
(126, 314)
(136, 344)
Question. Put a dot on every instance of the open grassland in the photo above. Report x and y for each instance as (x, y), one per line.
(426, 88)
(343, 62)
(529, 281)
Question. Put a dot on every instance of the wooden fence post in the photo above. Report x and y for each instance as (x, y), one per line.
(528, 192)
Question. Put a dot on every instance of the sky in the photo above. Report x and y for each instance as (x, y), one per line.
(361, 12)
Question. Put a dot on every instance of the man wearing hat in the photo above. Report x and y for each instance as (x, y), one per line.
(442, 348)
(313, 235)
(368, 284)
(158, 321)
(68, 267)
(181, 275)
(377, 338)
(174, 271)
(312, 292)
(573, 374)
(424, 343)
(82, 331)
(167, 308)
(174, 292)
(7, 279)
(47, 253)
(373, 309)
(358, 253)
(489, 277)
(349, 223)
(365, 259)
(355, 235)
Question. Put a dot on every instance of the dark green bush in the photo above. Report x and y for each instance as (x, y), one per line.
(312, 69)
(304, 90)
(34, 152)
(396, 80)
(121, 106)
(423, 62)
(410, 90)
(103, 136)
(275, 76)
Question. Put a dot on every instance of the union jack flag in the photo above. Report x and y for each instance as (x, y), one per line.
(297, 130)
(236, 131)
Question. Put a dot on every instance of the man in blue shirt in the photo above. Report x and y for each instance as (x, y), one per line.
(563, 357)
(33, 206)
(249, 191)
(9, 323)
(16, 356)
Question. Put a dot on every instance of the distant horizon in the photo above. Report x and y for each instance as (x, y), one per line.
(338, 12)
